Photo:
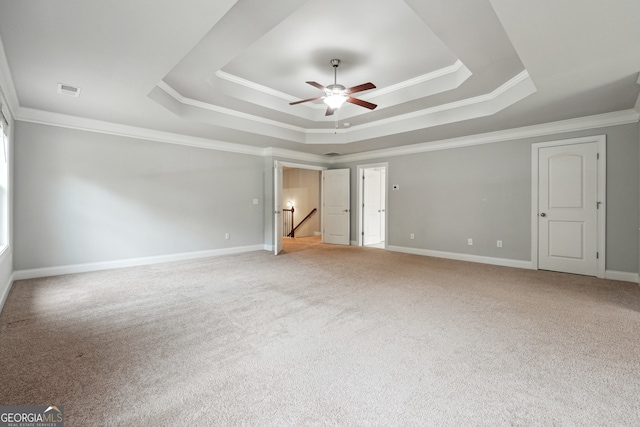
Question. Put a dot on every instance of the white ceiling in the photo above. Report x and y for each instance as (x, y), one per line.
(227, 70)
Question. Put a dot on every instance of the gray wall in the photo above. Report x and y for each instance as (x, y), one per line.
(484, 192)
(85, 197)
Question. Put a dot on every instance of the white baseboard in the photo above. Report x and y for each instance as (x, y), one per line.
(505, 262)
(623, 276)
(317, 233)
(268, 248)
(133, 262)
(5, 294)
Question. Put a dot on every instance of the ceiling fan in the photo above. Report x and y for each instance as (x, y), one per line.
(336, 95)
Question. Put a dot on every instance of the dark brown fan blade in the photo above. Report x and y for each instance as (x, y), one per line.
(359, 88)
(318, 85)
(306, 100)
(329, 112)
(362, 103)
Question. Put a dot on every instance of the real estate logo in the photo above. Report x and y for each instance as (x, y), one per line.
(31, 416)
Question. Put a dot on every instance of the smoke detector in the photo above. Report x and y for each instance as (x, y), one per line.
(69, 90)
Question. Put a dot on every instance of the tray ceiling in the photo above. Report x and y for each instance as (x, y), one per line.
(227, 70)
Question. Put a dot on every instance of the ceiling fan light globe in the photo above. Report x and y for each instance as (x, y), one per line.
(335, 101)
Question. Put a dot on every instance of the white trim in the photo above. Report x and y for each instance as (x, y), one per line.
(360, 196)
(622, 276)
(222, 110)
(521, 78)
(451, 69)
(601, 143)
(507, 94)
(504, 262)
(90, 125)
(255, 86)
(295, 155)
(133, 262)
(5, 294)
(553, 128)
(300, 166)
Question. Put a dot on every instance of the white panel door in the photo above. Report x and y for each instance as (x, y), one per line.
(335, 213)
(277, 214)
(372, 206)
(567, 208)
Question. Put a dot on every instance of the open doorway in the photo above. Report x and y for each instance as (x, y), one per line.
(301, 202)
(372, 205)
(297, 201)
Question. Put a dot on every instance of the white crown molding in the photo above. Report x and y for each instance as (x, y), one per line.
(132, 262)
(90, 125)
(571, 125)
(72, 122)
(514, 90)
(206, 106)
(510, 92)
(295, 155)
(522, 77)
(438, 81)
(255, 86)
(451, 69)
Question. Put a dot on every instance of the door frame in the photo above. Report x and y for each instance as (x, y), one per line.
(601, 236)
(359, 210)
(277, 163)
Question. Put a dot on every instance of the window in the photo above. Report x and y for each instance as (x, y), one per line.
(4, 181)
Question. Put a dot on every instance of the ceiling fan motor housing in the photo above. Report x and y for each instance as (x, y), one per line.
(335, 89)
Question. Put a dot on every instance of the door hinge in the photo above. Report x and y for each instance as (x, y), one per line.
(598, 156)
(598, 205)
(597, 255)
(362, 233)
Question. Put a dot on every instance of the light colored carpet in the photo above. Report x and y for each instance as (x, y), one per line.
(324, 335)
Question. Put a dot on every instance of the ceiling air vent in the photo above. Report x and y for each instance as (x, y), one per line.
(69, 90)
(332, 154)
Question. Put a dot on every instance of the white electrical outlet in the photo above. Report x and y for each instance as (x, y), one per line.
(226, 236)
(412, 236)
(499, 243)
(255, 201)
(470, 242)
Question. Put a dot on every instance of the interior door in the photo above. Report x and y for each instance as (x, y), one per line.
(372, 206)
(567, 208)
(336, 206)
(277, 214)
